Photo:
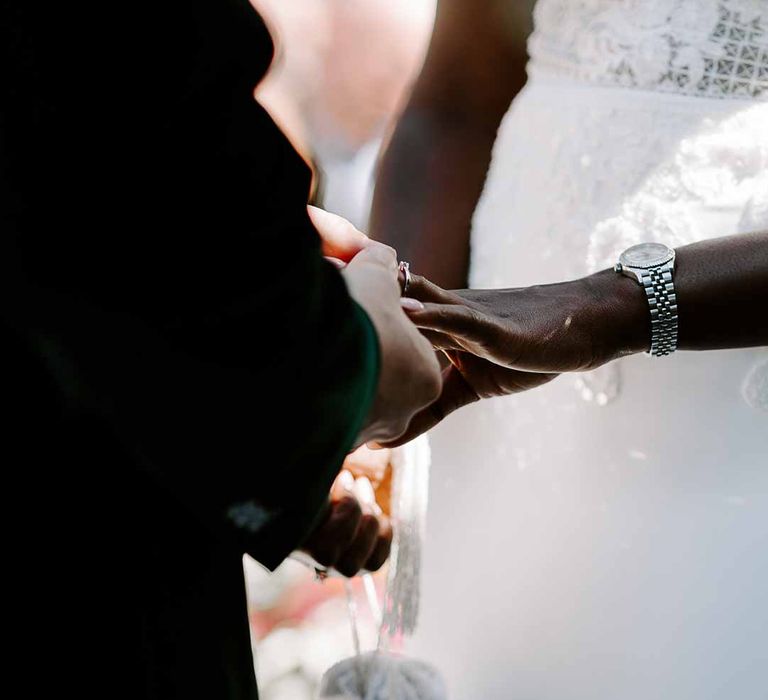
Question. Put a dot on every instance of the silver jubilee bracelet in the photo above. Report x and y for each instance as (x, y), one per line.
(660, 290)
(653, 266)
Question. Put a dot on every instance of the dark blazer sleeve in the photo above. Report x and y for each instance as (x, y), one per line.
(162, 265)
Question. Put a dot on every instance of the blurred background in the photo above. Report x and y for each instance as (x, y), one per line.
(341, 74)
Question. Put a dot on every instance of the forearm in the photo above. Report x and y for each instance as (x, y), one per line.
(723, 292)
(722, 297)
(430, 180)
(433, 172)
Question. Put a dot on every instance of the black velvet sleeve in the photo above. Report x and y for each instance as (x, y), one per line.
(160, 261)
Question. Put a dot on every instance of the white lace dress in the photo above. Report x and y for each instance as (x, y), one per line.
(606, 537)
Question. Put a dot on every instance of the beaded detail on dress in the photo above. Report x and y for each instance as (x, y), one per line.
(689, 47)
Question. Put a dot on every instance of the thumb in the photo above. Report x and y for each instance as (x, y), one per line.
(371, 277)
(340, 239)
(375, 254)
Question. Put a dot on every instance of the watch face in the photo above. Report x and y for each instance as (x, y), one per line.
(646, 255)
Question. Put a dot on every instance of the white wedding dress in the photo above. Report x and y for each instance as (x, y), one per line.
(606, 537)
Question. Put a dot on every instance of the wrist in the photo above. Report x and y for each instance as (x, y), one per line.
(621, 315)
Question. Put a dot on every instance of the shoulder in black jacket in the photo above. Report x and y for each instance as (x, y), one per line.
(184, 371)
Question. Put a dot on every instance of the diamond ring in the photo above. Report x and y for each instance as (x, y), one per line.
(405, 269)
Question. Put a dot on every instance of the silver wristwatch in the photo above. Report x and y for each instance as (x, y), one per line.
(653, 266)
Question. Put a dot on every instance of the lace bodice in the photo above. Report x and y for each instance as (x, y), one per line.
(586, 168)
(706, 48)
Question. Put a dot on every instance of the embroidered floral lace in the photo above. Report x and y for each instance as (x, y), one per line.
(690, 47)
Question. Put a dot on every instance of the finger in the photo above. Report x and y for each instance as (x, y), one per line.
(365, 493)
(455, 394)
(376, 254)
(506, 381)
(480, 296)
(340, 238)
(455, 320)
(408, 304)
(422, 289)
(366, 462)
(343, 485)
(383, 546)
(353, 558)
(441, 341)
(336, 533)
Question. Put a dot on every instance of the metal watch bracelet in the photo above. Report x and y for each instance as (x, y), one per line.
(662, 300)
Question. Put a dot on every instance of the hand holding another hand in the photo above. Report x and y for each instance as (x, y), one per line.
(355, 533)
(340, 239)
(567, 327)
(506, 341)
(409, 378)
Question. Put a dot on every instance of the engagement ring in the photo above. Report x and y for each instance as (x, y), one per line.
(405, 269)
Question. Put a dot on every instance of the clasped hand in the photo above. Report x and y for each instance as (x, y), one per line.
(505, 341)
(497, 342)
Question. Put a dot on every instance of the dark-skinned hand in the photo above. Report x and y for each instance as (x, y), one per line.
(567, 327)
(352, 536)
(540, 331)
(502, 342)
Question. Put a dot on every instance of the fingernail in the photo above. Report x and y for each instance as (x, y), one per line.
(374, 446)
(409, 304)
(346, 481)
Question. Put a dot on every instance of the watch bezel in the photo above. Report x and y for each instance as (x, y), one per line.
(665, 255)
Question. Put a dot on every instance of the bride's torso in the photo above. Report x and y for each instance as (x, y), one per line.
(641, 119)
(607, 535)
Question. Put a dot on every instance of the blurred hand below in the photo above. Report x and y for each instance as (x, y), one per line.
(354, 535)
(376, 467)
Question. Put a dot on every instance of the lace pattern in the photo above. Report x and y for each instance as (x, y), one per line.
(602, 169)
(612, 169)
(693, 47)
